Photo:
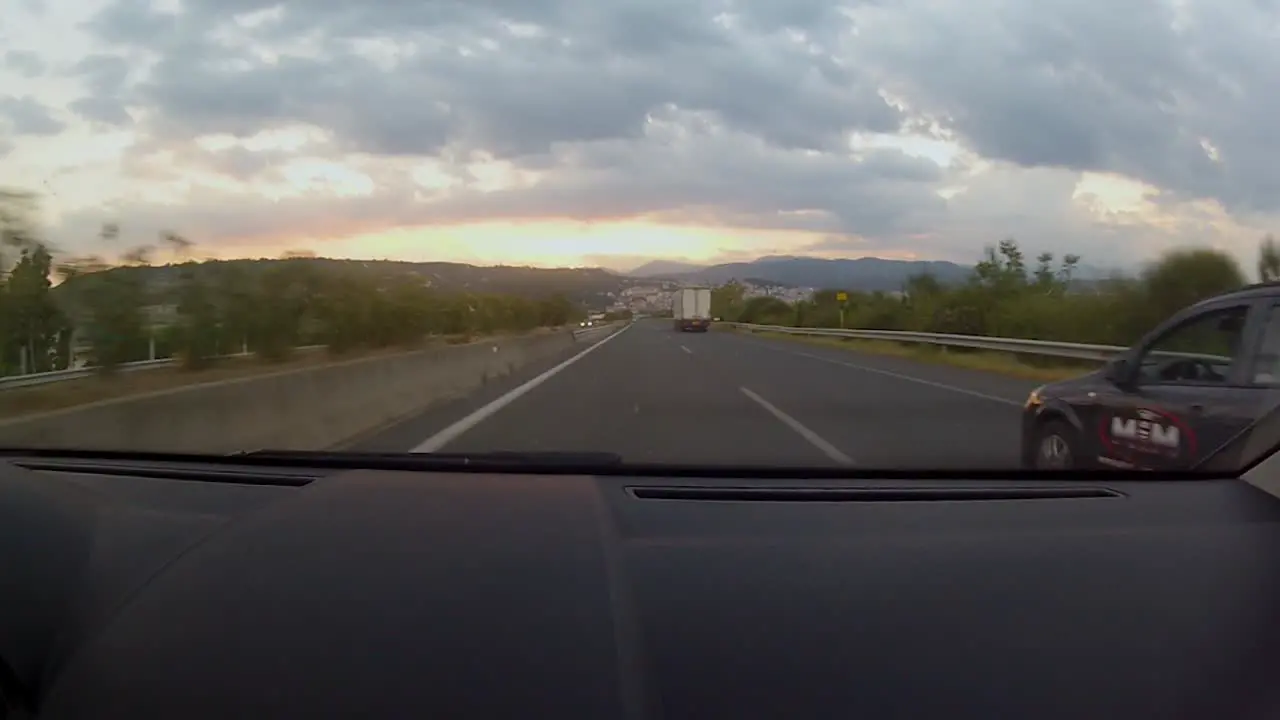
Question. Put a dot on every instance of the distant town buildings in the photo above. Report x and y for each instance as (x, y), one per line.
(781, 292)
(656, 296)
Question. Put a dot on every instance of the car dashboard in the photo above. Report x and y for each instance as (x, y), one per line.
(181, 589)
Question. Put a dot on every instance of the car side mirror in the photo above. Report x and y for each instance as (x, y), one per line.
(1118, 371)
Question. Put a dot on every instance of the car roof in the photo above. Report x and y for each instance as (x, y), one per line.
(1255, 290)
(400, 594)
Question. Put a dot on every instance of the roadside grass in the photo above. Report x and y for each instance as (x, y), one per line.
(1007, 364)
(17, 402)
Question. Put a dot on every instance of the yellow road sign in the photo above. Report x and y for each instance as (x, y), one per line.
(842, 296)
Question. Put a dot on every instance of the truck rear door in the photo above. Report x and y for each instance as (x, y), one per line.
(703, 298)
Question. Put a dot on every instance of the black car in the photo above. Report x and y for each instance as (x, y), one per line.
(1185, 390)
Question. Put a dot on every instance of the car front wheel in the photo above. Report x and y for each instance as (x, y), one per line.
(1056, 447)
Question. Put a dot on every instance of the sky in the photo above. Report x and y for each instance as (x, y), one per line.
(609, 132)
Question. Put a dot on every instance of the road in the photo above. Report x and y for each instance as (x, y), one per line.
(654, 395)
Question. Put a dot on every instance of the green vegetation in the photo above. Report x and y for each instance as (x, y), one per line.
(57, 312)
(35, 334)
(1007, 297)
(60, 312)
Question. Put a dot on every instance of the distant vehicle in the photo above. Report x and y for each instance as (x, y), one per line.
(691, 309)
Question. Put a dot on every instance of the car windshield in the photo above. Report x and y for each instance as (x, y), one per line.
(904, 235)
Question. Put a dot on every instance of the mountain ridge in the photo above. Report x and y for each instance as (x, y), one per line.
(593, 286)
(868, 273)
(864, 273)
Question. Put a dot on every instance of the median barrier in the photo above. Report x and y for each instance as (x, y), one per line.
(312, 408)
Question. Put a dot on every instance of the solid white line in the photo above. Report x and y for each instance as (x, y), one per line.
(908, 378)
(451, 433)
(686, 349)
(814, 438)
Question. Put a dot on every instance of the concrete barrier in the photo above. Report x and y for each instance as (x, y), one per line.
(303, 409)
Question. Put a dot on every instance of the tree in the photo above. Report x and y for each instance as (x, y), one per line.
(1045, 276)
(31, 324)
(766, 311)
(34, 322)
(1067, 272)
(116, 327)
(114, 309)
(1003, 268)
(284, 310)
(1185, 277)
(1268, 260)
(198, 323)
(556, 311)
(237, 303)
(727, 301)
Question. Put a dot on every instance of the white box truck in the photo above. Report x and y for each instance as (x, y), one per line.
(691, 309)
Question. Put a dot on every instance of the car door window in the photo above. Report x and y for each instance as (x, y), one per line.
(1266, 365)
(1201, 351)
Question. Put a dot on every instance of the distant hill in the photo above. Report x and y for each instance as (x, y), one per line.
(857, 274)
(866, 273)
(663, 268)
(590, 286)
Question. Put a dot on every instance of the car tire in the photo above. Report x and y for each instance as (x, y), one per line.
(1056, 446)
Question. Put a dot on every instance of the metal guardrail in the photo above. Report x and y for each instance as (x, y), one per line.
(1022, 346)
(11, 382)
(31, 380)
(1018, 346)
(44, 378)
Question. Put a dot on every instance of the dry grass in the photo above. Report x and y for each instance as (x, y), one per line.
(70, 393)
(1046, 370)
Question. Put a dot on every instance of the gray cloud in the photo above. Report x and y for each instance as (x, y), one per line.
(25, 63)
(101, 110)
(1080, 85)
(102, 73)
(27, 116)
(105, 78)
(591, 71)
(723, 111)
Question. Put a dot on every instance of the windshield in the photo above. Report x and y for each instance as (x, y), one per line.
(894, 235)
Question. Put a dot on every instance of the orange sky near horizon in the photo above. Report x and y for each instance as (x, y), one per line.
(617, 245)
(624, 243)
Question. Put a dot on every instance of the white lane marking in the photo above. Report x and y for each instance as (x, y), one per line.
(908, 378)
(814, 438)
(686, 349)
(451, 433)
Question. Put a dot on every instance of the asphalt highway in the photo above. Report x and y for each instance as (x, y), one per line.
(652, 394)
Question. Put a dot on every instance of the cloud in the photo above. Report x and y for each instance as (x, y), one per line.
(921, 127)
(26, 63)
(101, 110)
(28, 116)
(1174, 94)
